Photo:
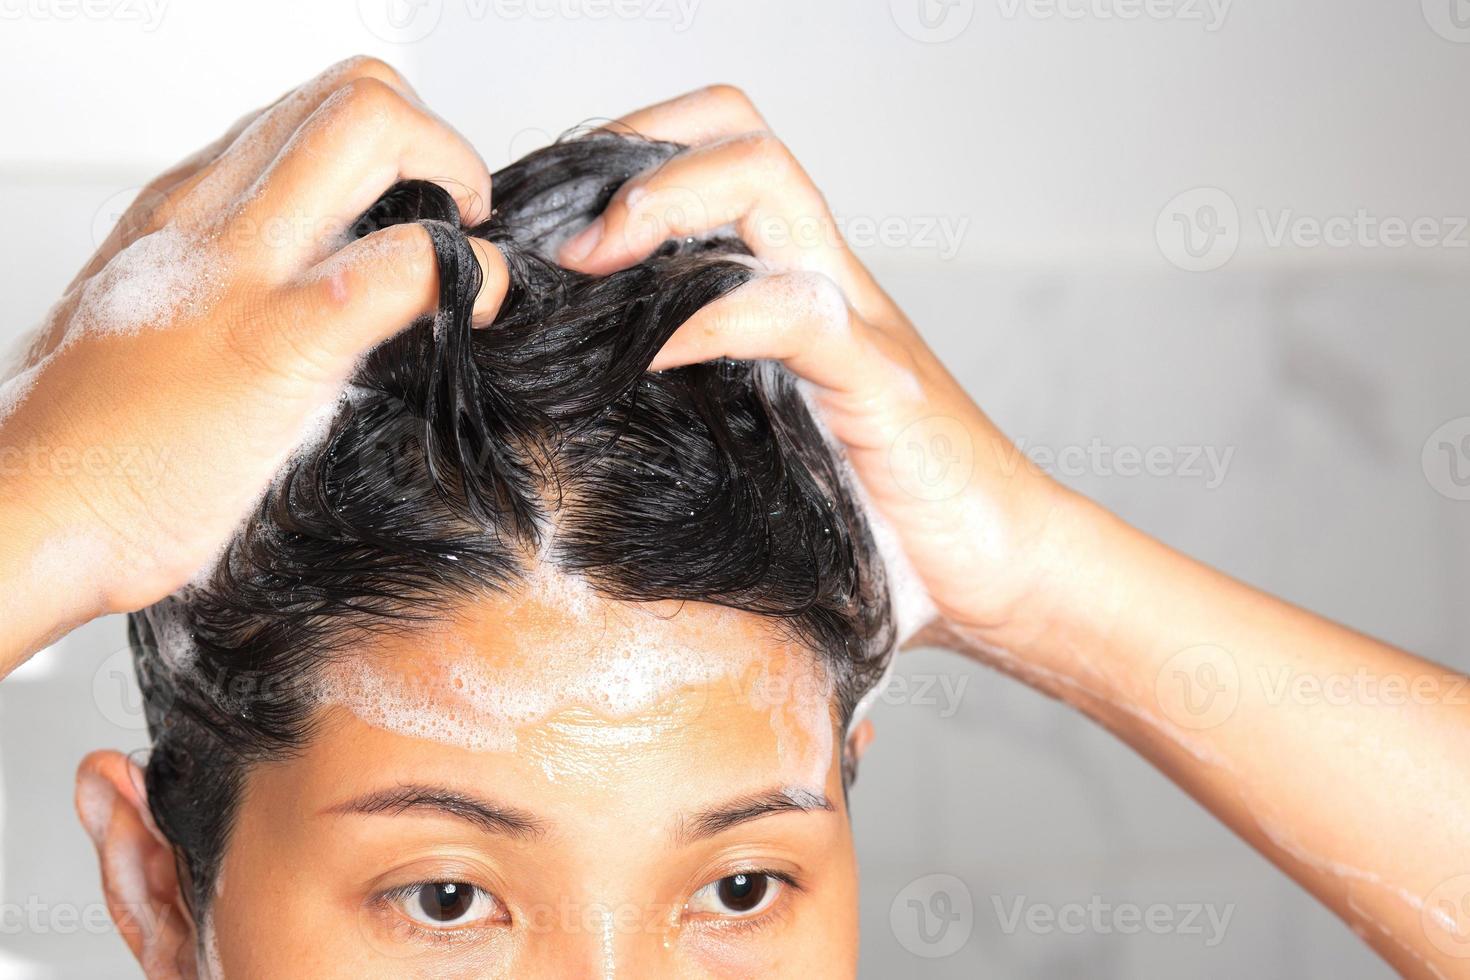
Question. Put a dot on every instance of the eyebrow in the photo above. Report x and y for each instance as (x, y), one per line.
(488, 816)
(742, 809)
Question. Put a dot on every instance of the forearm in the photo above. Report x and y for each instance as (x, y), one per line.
(46, 586)
(1340, 758)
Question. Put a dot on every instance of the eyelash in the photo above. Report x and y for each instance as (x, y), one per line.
(764, 920)
(387, 901)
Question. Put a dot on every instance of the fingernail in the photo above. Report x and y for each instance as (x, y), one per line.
(583, 244)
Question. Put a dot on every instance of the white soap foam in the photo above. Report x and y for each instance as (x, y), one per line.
(909, 601)
(158, 277)
(803, 724)
(212, 967)
(808, 295)
(631, 663)
(15, 391)
(175, 642)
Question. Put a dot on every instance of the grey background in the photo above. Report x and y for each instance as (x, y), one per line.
(1050, 145)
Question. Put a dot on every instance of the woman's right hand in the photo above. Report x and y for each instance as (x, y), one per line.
(188, 359)
(973, 516)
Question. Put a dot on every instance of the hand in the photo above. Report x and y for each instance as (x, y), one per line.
(188, 359)
(972, 516)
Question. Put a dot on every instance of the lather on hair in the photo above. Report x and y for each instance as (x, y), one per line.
(458, 449)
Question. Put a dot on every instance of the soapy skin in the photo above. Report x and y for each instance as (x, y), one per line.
(607, 883)
(1364, 801)
(223, 288)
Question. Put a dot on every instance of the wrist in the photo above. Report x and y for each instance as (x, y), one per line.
(46, 585)
(1072, 592)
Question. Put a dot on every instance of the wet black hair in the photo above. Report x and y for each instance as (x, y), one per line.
(455, 451)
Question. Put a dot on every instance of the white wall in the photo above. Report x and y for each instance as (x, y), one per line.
(1047, 148)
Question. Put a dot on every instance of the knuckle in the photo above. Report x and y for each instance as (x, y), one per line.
(364, 97)
(399, 256)
(818, 301)
(769, 150)
(731, 95)
(366, 66)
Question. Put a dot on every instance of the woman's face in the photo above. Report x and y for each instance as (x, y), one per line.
(533, 791)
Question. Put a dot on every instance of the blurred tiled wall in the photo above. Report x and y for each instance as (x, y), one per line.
(1303, 383)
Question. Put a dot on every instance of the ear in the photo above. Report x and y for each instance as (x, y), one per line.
(139, 878)
(859, 739)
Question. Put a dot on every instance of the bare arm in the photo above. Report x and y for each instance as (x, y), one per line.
(191, 355)
(1343, 760)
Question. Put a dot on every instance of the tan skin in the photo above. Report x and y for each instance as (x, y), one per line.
(1364, 800)
(603, 870)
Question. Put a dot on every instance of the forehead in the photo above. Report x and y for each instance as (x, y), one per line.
(555, 686)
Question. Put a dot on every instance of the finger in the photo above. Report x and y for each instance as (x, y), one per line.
(368, 291)
(694, 118)
(701, 189)
(246, 154)
(358, 143)
(158, 199)
(799, 318)
(752, 182)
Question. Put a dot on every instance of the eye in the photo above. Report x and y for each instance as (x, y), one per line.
(738, 896)
(445, 904)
